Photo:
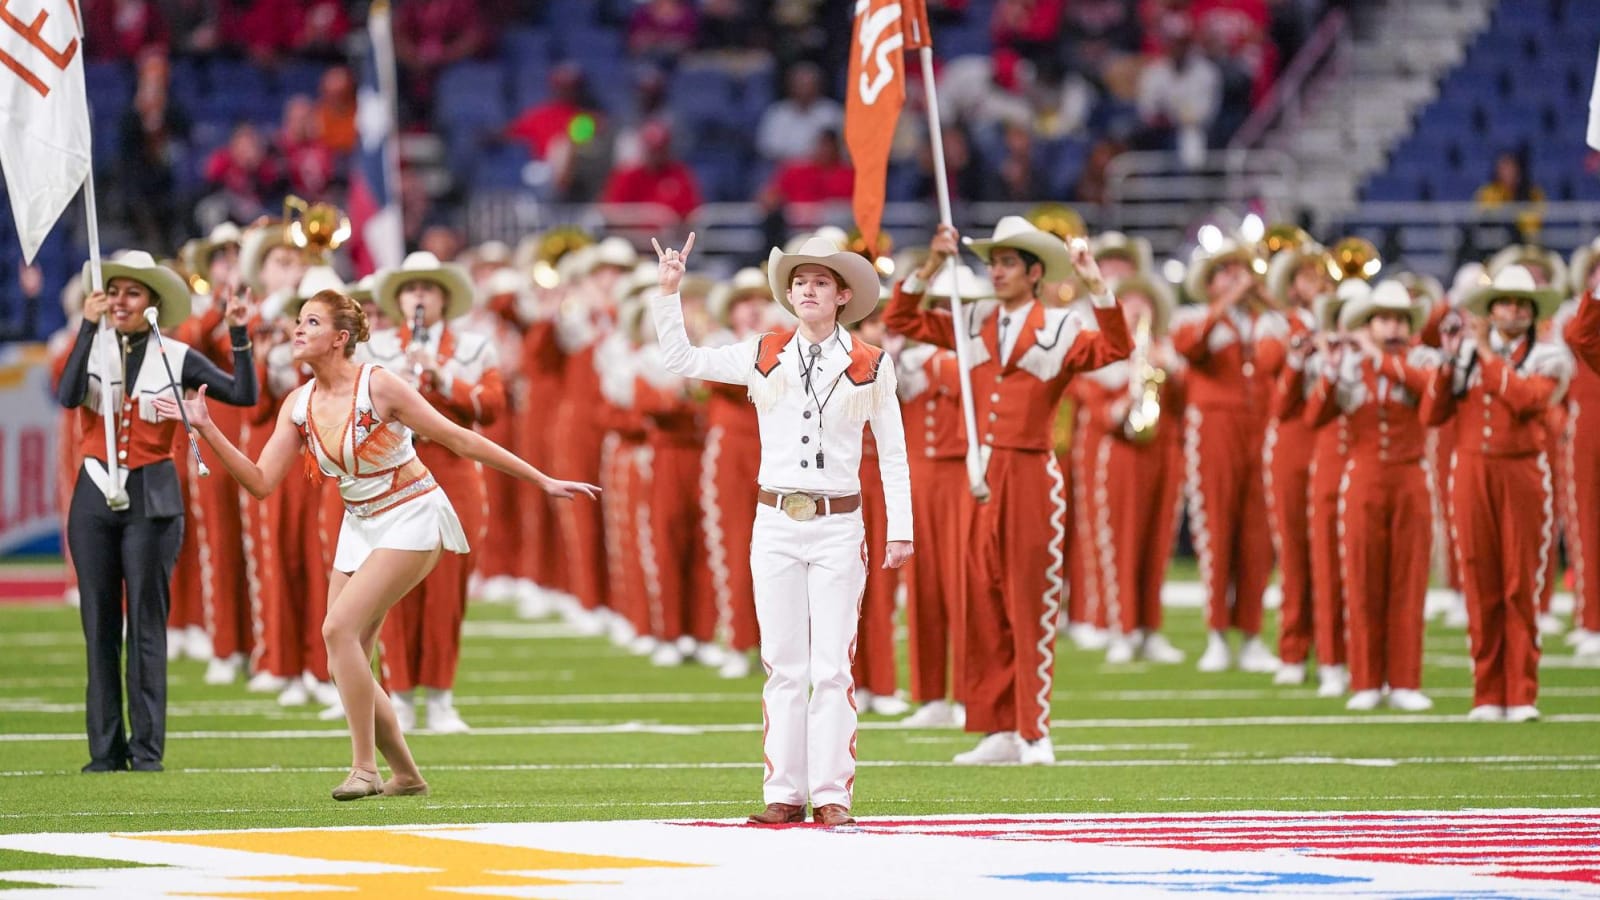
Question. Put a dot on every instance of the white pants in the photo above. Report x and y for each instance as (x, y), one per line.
(809, 577)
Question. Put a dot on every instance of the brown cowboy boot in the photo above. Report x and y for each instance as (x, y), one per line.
(831, 815)
(779, 814)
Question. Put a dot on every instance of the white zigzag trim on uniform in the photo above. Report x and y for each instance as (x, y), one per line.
(711, 527)
(1440, 546)
(208, 566)
(1080, 518)
(1340, 528)
(1571, 531)
(643, 458)
(1198, 526)
(1547, 534)
(252, 572)
(1104, 540)
(1455, 540)
(1052, 590)
(611, 501)
(1269, 444)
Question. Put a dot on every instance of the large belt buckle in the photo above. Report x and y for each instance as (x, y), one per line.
(800, 507)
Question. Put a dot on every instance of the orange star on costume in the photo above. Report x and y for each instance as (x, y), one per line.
(366, 420)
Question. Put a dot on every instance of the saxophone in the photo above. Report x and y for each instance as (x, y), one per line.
(1145, 384)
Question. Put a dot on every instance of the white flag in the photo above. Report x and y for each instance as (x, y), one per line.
(1594, 109)
(44, 113)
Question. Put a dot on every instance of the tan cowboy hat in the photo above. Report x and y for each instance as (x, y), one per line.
(1327, 307)
(1156, 288)
(969, 284)
(1530, 254)
(643, 277)
(1389, 296)
(1286, 263)
(1203, 264)
(747, 283)
(257, 242)
(573, 265)
(316, 280)
(361, 291)
(505, 281)
(857, 272)
(424, 266)
(171, 293)
(491, 253)
(830, 233)
(1020, 234)
(1469, 278)
(1513, 282)
(1425, 289)
(1116, 245)
(613, 251)
(1583, 260)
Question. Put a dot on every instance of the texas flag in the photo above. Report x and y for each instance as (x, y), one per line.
(379, 241)
(44, 114)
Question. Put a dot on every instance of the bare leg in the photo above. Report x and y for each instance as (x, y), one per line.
(356, 606)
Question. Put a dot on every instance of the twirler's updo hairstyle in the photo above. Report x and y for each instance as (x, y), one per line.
(347, 315)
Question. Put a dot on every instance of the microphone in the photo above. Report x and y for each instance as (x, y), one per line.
(151, 316)
(419, 337)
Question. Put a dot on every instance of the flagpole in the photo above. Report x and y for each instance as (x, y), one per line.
(922, 40)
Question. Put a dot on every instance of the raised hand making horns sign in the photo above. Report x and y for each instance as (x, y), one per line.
(671, 264)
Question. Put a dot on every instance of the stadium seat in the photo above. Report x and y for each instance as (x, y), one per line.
(521, 46)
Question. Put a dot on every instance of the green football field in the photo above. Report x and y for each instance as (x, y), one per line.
(569, 728)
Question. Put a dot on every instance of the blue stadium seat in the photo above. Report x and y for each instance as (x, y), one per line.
(1455, 186)
(297, 77)
(109, 84)
(1389, 188)
(522, 45)
(595, 47)
(500, 167)
(703, 96)
(471, 94)
(530, 85)
(571, 14)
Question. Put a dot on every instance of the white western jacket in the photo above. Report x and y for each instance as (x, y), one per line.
(788, 416)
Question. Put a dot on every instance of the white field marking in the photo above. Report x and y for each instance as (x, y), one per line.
(1547, 660)
(1060, 748)
(753, 727)
(1204, 761)
(519, 630)
(584, 648)
(41, 639)
(1230, 694)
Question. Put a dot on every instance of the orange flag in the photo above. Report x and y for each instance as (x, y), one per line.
(877, 90)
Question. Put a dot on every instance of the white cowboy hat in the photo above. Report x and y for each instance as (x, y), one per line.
(492, 253)
(257, 242)
(1327, 307)
(362, 290)
(424, 266)
(1156, 288)
(316, 280)
(1425, 289)
(858, 274)
(1469, 278)
(1116, 245)
(1203, 264)
(505, 281)
(969, 284)
(1286, 264)
(643, 277)
(1020, 234)
(830, 233)
(1514, 282)
(746, 283)
(1583, 260)
(1389, 296)
(171, 293)
(575, 264)
(613, 251)
(1526, 254)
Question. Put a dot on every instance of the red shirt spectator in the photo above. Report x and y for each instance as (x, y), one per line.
(244, 169)
(541, 125)
(309, 160)
(429, 34)
(821, 177)
(321, 28)
(263, 29)
(662, 27)
(1026, 25)
(119, 29)
(659, 179)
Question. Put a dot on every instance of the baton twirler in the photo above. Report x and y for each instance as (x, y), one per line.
(150, 316)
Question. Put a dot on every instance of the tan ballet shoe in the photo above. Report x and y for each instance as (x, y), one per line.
(359, 784)
(395, 788)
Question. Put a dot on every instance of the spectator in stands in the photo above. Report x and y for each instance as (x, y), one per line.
(442, 241)
(819, 178)
(263, 30)
(430, 35)
(650, 105)
(194, 26)
(1179, 93)
(658, 179)
(1013, 177)
(1097, 32)
(1236, 31)
(789, 128)
(539, 126)
(119, 30)
(662, 30)
(153, 135)
(1510, 186)
(245, 179)
(730, 26)
(964, 174)
(321, 29)
(336, 110)
(309, 161)
(1030, 29)
(1091, 187)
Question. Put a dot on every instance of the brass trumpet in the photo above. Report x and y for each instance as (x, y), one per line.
(1144, 416)
(1354, 257)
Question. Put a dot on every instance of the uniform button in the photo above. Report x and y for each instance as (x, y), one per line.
(805, 440)
(806, 414)
(928, 452)
(994, 398)
(1249, 369)
(929, 406)
(994, 417)
(927, 420)
(122, 454)
(1488, 432)
(124, 423)
(803, 464)
(998, 379)
(988, 438)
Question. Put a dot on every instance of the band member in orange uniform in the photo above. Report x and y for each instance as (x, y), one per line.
(1496, 386)
(1225, 424)
(499, 563)
(459, 375)
(1023, 357)
(1583, 497)
(729, 469)
(1134, 468)
(936, 444)
(1377, 385)
(1296, 277)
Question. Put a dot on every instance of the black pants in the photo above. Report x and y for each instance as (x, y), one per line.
(132, 551)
